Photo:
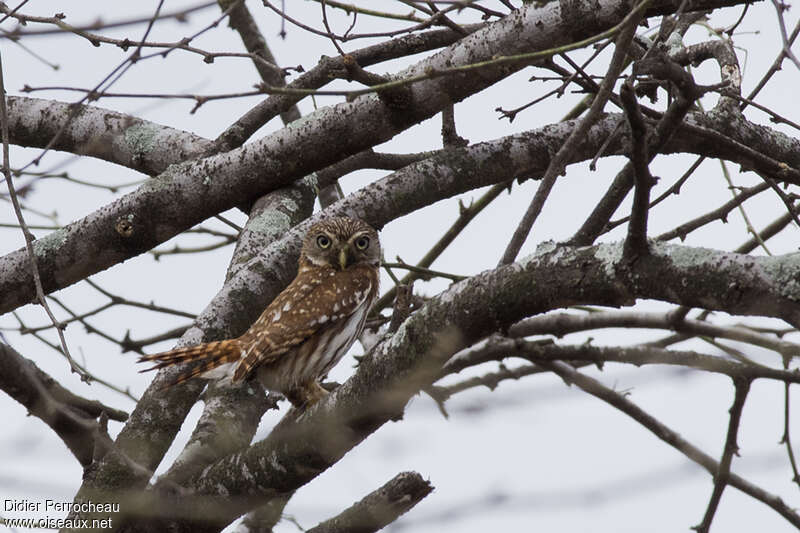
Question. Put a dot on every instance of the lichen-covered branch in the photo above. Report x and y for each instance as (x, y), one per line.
(102, 133)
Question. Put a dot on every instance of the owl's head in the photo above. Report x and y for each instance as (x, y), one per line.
(341, 242)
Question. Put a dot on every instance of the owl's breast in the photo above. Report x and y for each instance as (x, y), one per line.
(316, 356)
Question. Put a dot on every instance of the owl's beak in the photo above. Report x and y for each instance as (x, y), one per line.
(344, 257)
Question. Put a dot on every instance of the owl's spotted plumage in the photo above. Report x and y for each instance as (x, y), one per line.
(308, 327)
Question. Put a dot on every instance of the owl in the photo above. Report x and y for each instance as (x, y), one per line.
(308, 327)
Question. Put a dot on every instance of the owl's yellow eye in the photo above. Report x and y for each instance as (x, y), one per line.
(362, 243)
(323, 241)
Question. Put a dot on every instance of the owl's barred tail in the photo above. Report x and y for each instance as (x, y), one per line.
(204, 357)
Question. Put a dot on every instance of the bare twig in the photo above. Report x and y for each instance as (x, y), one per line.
(595, 388)
(560, 324)
(491, 380)
(788, 202)
(29, 238)
(731, 447)
(780, 8)
(424, 272)
(675, 188)
(558, 162)
(721, 213)
(466, 214)
(16, 33)
(129, 345)
(538, 352)
(70, 416)
(775, 67)
(786, 439)
(94, 378)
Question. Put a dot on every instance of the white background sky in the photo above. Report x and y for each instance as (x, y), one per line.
(530, 455)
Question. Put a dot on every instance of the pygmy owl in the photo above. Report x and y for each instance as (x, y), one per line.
(308, 327)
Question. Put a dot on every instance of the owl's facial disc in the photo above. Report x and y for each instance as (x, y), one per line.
(341, 243)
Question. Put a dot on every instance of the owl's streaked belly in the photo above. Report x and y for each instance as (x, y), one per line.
(316, 356)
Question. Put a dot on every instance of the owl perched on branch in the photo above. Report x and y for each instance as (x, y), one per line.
(308, 327)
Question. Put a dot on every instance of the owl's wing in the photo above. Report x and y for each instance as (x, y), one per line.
(315, 300)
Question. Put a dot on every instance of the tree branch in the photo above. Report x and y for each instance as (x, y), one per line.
(72, 417)
(595, 388)
(636, 241)
(536, 352)
(102, 133)
(560, 324)
(721, 477)
(379, 508)
(557, 164)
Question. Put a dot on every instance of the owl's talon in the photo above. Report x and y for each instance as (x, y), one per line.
(306, 395)
(304, 398)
